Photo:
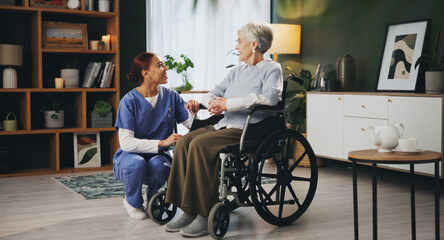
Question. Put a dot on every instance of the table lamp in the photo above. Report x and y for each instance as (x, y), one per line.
(286, 39)
(10, 55)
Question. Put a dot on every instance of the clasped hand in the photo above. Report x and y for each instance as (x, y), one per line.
(217, 106)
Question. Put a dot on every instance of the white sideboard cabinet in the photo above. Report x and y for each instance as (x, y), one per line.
(337, 122)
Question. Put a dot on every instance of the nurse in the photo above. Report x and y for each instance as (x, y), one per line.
(145, 122)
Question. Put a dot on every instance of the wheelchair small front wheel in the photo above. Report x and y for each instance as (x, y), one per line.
(218, 220)
(159, 211)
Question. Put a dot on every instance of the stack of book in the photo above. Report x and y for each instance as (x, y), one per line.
(98, 75)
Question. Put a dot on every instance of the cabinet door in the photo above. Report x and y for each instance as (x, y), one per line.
(325, 124)
(422, 118)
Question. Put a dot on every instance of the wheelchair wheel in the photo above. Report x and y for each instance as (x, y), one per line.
(218, 220)
(280, 192)
(159, 211)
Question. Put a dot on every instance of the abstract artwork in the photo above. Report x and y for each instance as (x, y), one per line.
(403, 47)
(87, 149)
(402, 57)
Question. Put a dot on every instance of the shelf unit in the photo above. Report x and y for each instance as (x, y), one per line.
(32, 149)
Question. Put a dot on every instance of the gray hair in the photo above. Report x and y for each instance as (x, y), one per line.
(258, 32)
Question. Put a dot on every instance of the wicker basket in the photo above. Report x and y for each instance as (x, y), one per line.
(298, 150)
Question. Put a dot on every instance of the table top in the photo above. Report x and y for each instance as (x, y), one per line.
(372, 155)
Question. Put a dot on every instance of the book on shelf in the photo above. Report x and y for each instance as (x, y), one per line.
(96, 82)
(110, 77)
(90, 73)
(105, 74)
(98, 75)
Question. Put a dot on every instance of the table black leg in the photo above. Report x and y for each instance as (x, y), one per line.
(437, 193)
(375, 208)
(412, 199)
(355, 201)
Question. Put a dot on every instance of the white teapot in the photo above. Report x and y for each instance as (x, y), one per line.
(386, 137)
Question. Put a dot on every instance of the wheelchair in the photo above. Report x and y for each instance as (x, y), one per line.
(261, 173)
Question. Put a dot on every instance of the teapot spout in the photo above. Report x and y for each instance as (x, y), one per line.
(375, 137)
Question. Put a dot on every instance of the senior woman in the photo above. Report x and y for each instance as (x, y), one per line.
(192, 185)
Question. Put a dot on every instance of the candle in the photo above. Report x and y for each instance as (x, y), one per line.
(59, 82)
(106, 40)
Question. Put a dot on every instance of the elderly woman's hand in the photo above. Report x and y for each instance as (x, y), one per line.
(192, 106)
(217, 106)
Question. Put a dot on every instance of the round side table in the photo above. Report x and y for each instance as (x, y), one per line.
(373, 156)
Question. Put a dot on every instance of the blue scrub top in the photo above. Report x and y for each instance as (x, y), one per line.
(137, 114)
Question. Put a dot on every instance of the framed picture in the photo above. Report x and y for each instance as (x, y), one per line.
(64, 35)
(48, 3)
(87, 149)
(403, 46)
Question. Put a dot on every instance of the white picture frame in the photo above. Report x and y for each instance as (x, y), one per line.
(403, 46)
(86, 149)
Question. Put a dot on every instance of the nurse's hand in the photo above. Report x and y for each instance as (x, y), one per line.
(192, 106)
(172, 139)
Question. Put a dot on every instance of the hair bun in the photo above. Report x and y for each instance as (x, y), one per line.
(132, 77)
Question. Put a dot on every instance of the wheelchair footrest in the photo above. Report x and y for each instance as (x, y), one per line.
(250, 148)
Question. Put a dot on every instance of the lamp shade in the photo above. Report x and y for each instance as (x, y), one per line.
(286, 39)
(11, 55)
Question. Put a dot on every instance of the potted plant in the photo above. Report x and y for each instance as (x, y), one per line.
(70, 73)
(296, 100)
(296, 110)
(54, 114)
(434, 65)
(181, 69)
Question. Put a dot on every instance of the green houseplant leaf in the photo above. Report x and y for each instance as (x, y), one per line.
(296, 100)
(180, 68)
(434, 59)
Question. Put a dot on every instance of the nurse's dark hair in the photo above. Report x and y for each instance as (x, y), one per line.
(140, 62)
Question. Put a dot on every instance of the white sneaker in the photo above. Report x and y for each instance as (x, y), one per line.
(136, 213)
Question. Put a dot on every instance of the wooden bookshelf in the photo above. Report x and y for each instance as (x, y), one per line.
(32, 149)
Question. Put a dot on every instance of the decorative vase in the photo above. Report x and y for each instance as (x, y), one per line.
(434, 82)
(71, 77)
(345, 71)
(325, 78)
(54, 119)
(104, 5)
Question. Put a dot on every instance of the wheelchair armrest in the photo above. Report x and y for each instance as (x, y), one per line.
(265, 108)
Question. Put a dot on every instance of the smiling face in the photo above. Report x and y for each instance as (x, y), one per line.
(244, 47)
(156, 72)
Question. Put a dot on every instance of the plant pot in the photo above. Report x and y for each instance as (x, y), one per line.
(54, 119)
(434, 82)
(298, 149)
(71, 77)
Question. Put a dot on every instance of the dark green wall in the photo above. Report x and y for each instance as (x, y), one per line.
(132, 37)
(331, 28)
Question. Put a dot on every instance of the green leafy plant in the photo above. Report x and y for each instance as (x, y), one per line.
(180, 68)
(296, 100)
(72, 65)
(434, 61)
(53, 103)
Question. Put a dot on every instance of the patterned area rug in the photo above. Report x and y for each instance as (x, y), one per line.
(102, 185)
(93, 186)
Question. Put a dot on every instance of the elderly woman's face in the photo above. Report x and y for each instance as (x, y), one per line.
(244, 47)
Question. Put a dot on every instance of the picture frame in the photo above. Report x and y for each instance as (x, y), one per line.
(64, 35)
(403, 46)
(49, 3)
(87, 149)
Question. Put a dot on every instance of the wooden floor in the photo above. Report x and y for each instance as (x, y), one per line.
(38, 207)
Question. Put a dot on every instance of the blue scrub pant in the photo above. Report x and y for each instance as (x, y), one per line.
(134, 169)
